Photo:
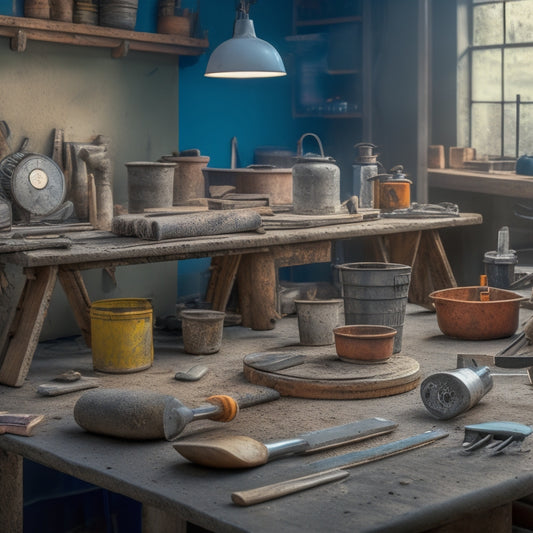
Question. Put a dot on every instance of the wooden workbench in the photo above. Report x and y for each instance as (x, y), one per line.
(414, 242)
(417, 491)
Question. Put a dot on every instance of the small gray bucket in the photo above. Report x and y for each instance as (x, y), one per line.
(150, 184)
(376, 293)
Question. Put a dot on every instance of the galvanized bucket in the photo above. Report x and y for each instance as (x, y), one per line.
(376, 293)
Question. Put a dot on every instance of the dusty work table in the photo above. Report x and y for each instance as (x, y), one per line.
(252, 258)
(416, 491)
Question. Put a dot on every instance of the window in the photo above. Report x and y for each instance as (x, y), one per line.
(501, 78)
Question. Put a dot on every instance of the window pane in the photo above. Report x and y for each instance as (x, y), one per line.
(509, 132)
(518, 78)
(526, 130)
(488, 24)
(486, 126)
(519, 17)
(486, 75)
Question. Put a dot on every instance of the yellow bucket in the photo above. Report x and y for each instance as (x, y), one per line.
(122, 335)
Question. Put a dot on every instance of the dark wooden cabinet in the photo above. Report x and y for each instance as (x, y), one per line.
(329, 52)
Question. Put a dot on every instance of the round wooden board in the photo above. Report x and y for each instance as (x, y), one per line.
(324, 376)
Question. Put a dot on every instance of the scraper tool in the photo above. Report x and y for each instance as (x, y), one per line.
(244, 452)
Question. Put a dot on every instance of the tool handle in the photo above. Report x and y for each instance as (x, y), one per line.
(225, 409)
(277, 490)
(260, 395)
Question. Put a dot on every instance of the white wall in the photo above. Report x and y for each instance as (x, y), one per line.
(133, 100)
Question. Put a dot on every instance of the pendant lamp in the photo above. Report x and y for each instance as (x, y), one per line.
(244, 55)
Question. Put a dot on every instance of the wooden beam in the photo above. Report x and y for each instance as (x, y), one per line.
(223, 274)
(78, 297)
(27, 325)
(257, 279)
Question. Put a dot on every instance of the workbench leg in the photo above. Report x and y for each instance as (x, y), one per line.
(223, 273)
(257, 279)
(155, 520)
(424, 252)
(27, 325)
(11, 495)
(78, 297)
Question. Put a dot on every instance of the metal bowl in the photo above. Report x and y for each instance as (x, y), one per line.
(364, 344)
(463, 315)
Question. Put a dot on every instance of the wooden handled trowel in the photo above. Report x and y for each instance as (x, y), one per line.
(244, 452)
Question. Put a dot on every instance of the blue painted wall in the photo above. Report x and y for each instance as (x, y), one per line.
(257, 112)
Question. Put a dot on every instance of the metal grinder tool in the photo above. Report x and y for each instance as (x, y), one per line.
(447, 394)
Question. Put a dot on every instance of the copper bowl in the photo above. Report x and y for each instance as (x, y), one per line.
(461, 313)
(364, 344)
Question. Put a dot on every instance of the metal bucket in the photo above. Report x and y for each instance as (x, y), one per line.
(189, 180)
(202, 330)
(122, 335)
(119, 14)
(317, 319)
(376, 293)
(149, 185)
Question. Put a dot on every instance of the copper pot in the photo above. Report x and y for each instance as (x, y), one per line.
(364, 344)
(462, 314)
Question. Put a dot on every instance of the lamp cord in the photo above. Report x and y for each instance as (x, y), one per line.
(243, 8)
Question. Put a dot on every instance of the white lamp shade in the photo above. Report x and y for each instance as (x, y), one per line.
(245, 56)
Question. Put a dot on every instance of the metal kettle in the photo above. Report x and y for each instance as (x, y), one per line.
(315, 182)
(392, 191)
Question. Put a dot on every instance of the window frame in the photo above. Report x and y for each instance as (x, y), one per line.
(501, 47)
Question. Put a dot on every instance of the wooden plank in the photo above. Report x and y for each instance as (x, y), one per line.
(290, 220)
(20, 29)
(498, 183)
(403, 247)
(78, 297)
(27, 325)
(223, 274)
(11, 494)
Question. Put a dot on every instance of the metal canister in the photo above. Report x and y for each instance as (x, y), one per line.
(448, 394)
(315, 182)
(393, 190)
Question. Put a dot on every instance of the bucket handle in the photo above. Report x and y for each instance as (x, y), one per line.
(301, 140)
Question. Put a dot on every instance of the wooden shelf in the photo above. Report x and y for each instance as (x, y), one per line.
(328, 21)
(507, 184)
(22, 29)
(328, 115)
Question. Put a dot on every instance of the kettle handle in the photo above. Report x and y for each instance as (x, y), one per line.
(301, 140)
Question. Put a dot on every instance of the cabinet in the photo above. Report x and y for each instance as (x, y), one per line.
(330, 58)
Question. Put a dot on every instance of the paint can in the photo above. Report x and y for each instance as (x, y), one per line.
(122, 335)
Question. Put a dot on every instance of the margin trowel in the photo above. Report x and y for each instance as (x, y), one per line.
(245, 452)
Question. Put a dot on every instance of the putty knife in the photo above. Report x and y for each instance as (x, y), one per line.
(332, 469)
(244, 452)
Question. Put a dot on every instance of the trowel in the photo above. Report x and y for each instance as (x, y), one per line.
(245, 452)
